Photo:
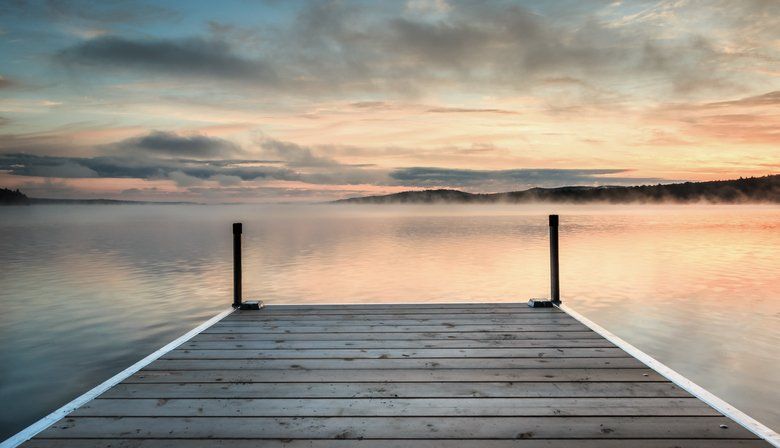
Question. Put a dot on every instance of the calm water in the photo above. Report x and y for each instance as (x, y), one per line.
(87, 290)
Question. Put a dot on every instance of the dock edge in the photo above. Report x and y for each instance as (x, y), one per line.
(32, 430)
(694, 389)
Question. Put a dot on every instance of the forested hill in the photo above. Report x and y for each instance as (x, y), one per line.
(16, 197)
(13, 197)
(744, 190)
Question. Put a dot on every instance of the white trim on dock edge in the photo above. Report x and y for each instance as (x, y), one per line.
(32, 430)
(694, 389)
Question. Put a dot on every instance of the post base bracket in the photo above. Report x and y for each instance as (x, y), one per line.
(251, 305)
(540, 303)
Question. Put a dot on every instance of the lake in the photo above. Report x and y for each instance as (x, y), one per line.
(87, 290)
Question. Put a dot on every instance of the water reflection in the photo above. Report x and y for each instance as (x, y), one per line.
(87, 290)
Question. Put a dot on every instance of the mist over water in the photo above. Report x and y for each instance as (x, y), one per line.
(88, 290)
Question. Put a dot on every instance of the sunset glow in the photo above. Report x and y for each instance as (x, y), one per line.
(311, 101)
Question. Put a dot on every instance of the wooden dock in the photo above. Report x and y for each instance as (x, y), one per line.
(405, 375)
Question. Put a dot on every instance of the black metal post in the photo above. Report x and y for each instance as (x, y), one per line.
(555, 289)
(237, 227)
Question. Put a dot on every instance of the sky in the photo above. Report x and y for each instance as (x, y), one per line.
(280, 100)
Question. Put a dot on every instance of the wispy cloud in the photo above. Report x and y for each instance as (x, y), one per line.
(751, 120)
(766, 99)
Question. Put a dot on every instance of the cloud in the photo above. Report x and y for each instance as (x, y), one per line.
(162, 143)
(184, 180)
(504, 180)
(332, 48)
(294, 154)
(749, 120)
(766, 99)
(103, 13)
(144, 168)
(50, 188)
(5, 83)
(428, 6)
(226, 180)
(193, 57)
(66, 169)
(227, 194)
(462, 110)
(275, 194)
(189, 173)
(742, 128)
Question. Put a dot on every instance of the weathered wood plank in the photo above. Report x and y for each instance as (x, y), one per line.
(605, 352)
(400, 427)
(324, 311)
(450, 323)
(393, 329)
(261, 316)
(391, 407)
(417, 304)
(381, 336)
(399, 375)
(400, 390)
(407, 344)
(440, 363)
(408, 443)
(396, 322)
(395, 307)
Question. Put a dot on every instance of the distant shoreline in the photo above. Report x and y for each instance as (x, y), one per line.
(16, 197)
(753, 190)
(49, 201)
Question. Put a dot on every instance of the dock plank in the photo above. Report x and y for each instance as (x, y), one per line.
(400, 336)
(557, 320)
(433, 314)
(447, 328)
(396, 363)
(432, 375)
(225, 344)
(538, 313)
(389, 407)
(398, 427)
(491, 352)
(388, 389)
(367, 307)
(397, 375)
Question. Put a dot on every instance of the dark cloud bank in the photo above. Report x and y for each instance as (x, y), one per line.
(170, 144)
(189, 160)
(430, 177)
(181, 57)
